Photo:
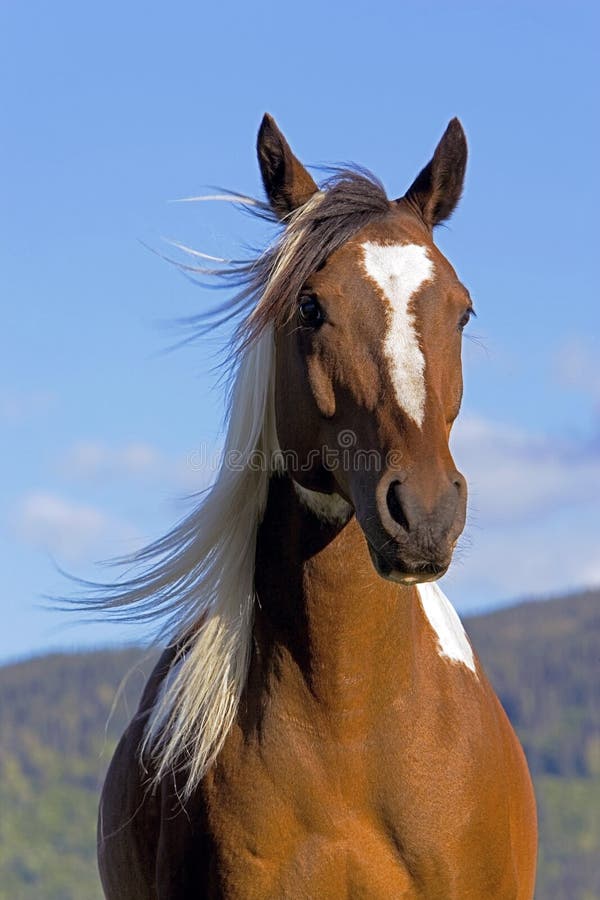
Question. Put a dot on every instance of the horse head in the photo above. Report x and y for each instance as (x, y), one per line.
(368, 375)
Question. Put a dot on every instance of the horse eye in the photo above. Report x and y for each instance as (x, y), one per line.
(310, 312)
(464, 319)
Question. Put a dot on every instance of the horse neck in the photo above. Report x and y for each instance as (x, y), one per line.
(327, 626)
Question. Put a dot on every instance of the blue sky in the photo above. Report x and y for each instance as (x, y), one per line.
(110, 111)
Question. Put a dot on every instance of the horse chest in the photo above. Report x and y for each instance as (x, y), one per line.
(350, 857)
(298, 818)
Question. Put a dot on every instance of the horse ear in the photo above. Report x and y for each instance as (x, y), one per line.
(287, 183)
(437, 189)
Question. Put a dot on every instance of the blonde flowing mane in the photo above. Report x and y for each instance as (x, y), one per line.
(201, 574)
(211, 570)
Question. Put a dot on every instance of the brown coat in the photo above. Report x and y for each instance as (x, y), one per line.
(363, 760)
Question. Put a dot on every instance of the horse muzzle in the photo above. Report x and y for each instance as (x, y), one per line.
(414, 532)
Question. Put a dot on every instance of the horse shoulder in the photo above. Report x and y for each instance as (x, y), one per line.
(504, 791)
(522, 806)
(130, 813)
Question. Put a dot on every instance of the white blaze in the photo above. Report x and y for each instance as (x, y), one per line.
(453, 642)
(399, 270)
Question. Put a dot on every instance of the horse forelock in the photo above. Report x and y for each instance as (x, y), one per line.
(269, 284)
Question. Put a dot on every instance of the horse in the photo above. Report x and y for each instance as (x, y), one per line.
(319, 725)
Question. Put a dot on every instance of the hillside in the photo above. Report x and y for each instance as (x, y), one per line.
(544, 661)
(58, 733)
(542, 658)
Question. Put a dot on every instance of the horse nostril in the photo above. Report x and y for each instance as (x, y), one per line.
(394, 505)
(459, 482)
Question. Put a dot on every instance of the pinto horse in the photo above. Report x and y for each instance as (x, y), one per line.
(319, 725)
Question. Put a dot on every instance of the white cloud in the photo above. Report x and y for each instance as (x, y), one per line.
(534, 525)
(514, 474)
(70, 530)
(94, 459)
(97, 461)
(524, 561)
(19, 406)
(577, 367)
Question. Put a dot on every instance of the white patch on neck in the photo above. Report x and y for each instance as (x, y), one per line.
(453, 642)
(399, 270)
(328, 507)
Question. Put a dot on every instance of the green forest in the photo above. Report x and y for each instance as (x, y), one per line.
(60, 717)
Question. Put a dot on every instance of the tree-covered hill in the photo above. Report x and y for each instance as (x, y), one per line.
(57, 732)
(544, 661)
(59, 723)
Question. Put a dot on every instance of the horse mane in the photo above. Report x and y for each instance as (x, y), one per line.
(200, 575)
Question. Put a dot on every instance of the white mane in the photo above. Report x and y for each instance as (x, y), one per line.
(209, 568)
